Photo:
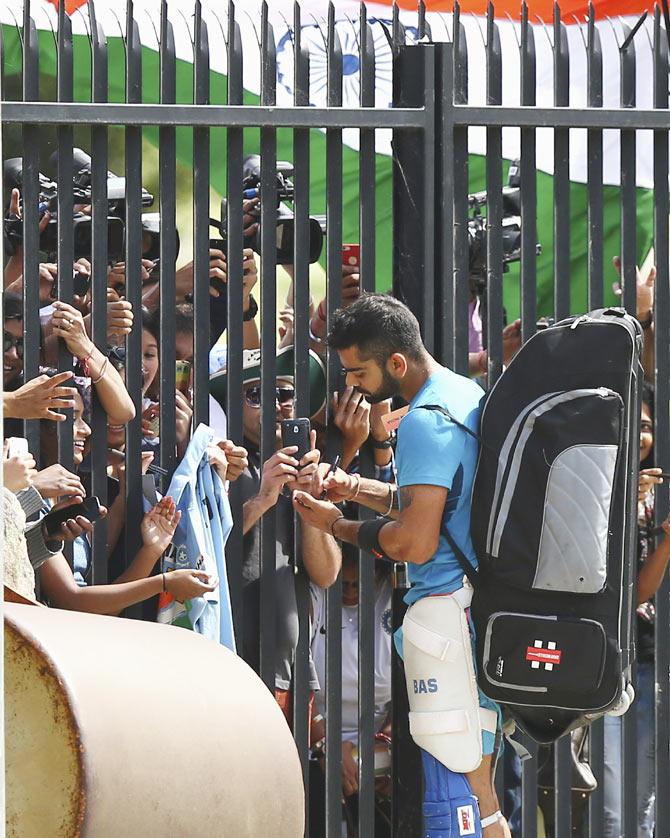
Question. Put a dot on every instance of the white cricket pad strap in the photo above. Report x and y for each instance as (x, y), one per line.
(445, 718)
(491, 819)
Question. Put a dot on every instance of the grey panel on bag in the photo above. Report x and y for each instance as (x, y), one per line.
(573, 544)
(524, 436)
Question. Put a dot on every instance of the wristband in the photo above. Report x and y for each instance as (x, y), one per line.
(381, 443)
(252, 311)
(368, 537)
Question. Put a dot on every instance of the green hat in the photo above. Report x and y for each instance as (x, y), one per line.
(251, 371)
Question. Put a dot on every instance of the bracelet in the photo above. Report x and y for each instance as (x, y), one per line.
(313, 337)
(164, 585)
(102, 372)
(391, 498)
(332, 526)
(482, 360)
(252, 311)
(358, 486)
(84, 362)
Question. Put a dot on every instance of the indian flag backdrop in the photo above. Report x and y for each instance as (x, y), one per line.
(610, 14)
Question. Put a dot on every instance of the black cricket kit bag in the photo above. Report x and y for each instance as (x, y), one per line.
(554, 518)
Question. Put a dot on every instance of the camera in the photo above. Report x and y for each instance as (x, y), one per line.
(151, 241)
(285, 219)
(82, 222)
(511, 229)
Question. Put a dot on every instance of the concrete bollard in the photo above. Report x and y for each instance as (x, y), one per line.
(117, 727)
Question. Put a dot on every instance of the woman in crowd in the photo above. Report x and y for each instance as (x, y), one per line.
(66, 588)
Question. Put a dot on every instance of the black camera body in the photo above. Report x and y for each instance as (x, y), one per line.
(285, 220)
(511, 230)
(81, 221)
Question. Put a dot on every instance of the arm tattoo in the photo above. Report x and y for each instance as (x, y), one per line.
(406, 497)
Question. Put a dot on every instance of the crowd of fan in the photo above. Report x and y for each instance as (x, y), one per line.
(34, 545)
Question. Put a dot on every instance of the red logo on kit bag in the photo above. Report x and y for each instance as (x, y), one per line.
(538, 654)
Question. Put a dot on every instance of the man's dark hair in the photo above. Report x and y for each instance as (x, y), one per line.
(378, 325)
(183, 322)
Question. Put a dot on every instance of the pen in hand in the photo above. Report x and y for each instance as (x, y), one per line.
(331, 470)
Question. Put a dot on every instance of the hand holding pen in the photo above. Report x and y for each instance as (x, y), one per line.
(330, 472)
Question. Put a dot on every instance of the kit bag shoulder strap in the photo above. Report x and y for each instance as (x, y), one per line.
(446, 413)
(464, 562)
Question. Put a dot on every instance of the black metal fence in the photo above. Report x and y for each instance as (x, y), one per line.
(432, 246)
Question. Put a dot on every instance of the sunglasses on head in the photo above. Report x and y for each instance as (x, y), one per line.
(285, 395)
(11, 341)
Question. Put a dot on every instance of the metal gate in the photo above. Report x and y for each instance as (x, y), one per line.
(432, 246)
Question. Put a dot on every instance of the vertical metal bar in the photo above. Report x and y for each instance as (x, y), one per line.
(594, 177)
(528, 186)
(301, 296)
(594, 197)
(65, 256)
(562, 779)
(133, 257)
(628, 203)
(461, 276)
(201, 154)
(662, 419)
(268, 344)
(30, 212)
(444, 206)
(597, 762)
(561, 173)
(334, 288)
(234, 335)
(167, 158)
(421, 19)
(529, 789)
(562, 797)
(494, 207)
(428, 219)
(397, 30)
(100, 261)
(628, 270)
(366, 569)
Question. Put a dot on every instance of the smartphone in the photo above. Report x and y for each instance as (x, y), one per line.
(17, 446)
(351, 255)
(218, 244)
(183, 376)
(81, 282)
(296, 432)
(90, 509)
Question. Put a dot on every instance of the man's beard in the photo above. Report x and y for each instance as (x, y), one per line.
(389, 388)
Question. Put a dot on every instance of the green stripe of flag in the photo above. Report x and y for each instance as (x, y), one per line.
(150, 89)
